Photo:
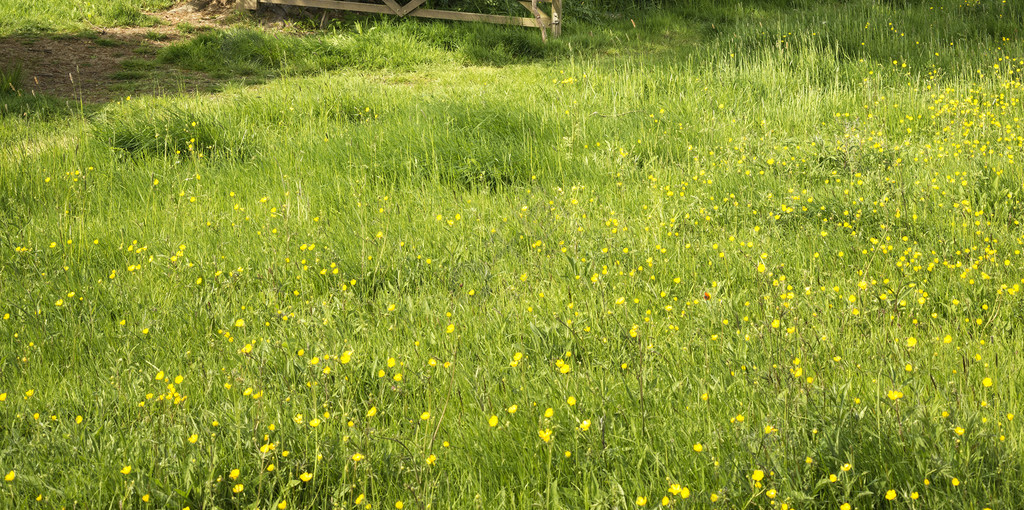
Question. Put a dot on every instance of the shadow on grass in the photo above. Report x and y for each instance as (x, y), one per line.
(95, 68)
(703, 28)
(39, 107)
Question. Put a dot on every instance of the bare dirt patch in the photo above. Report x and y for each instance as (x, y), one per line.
(109, 63)
(92, 67)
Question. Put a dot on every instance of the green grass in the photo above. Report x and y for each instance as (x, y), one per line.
(732, 229)
(21, 17)
(10, 79)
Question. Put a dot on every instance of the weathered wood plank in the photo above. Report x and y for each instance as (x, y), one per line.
(543, 16)
(395, 8)
(333, 4)
(556, 18)
(472, 16)
(538, 16)
(412, 8)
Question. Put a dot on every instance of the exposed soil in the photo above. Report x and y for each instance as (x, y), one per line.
(93, 68)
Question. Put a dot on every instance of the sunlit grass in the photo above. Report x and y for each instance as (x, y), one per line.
(758, 267)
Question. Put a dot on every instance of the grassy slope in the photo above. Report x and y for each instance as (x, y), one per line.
(734, 230)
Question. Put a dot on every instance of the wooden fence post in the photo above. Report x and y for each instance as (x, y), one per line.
(539, 20)
(556, 18)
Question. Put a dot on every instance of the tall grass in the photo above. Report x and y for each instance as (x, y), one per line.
(10, 78)
(724, 258)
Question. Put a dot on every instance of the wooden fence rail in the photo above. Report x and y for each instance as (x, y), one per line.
(543, 20)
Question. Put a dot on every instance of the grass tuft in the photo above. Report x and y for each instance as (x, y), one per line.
(10, 79)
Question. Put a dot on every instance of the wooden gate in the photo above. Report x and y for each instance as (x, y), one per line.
(541, 19)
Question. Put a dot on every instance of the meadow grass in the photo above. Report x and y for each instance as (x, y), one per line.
(56, 16)
(730, 258)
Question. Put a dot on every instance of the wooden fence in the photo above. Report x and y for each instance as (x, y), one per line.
(545, 21)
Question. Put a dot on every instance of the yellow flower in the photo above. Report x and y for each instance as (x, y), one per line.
(844, 506)
(512, 409)
(240, 323)
(282, 505)
(641, 501)
(305, 477)
(9, 477)
(571, 401)
(425, 416)
(431, 459)
(697, 447)
(125, 470)
(193, 438)
(399, 505)
(585, 425)
(955, 481)
(145, 498)
(450, 329)
(356, 457)
(238, 488)
(890, 495)
(545, 435)
(234, 474)
(493, 421)
(372, 412)
(757, 476)
(987, 382)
